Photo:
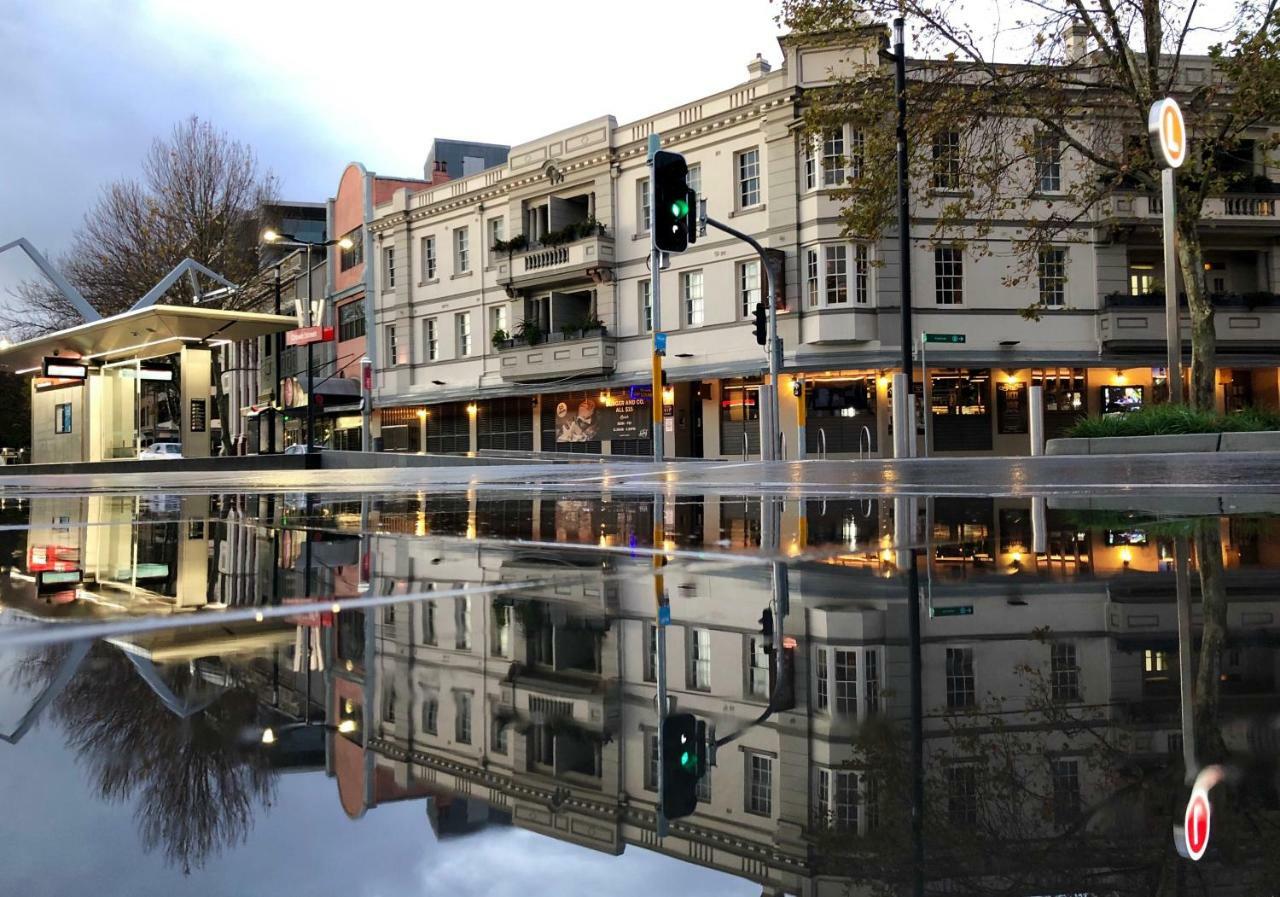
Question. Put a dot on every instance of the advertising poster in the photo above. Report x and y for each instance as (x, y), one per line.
(590, 419)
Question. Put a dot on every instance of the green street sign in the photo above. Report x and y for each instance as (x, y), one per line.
(955, 610)
(943, 337)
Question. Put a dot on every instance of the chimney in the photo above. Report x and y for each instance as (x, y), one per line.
(1075, 41)
(758, 67)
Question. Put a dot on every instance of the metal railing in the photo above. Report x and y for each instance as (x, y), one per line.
(822, 443)
(866, 432)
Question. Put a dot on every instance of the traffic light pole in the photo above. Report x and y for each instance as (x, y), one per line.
(770, 428)
(660, 649)
(655, 301)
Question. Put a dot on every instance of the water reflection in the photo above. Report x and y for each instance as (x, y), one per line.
(1051, 659)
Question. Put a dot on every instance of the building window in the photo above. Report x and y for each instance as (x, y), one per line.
(462, 722)
(759, 784)
(857, 152)
(946, 160)
(431, 714)
(651, 652)
(748, 286)
(1066, 790)
(389, 268)
(463, 323)
(837, 274)
(349, 258)
(1064, 674)
(694, 179)
(833, 158)
(500, 636)
(703, 792)
(748, 164)
(462, 623)
(428, 258)
(389, 615)
(691, 290)
(836, 803)
(642, 203)
(811, 276)
(960, 684)
(962, 794)
(498, 741)
(758, 670)
(1142, 280)
(393, 351)
(428, 622)
(498, 320)
(431, 339)
(646, 306)
(948, 275)
(812, 148)
(1052, 265)
(651, 761)
(497, 231)
(462, 250)
(871, 680)
(861, 274)
(846, 681)
(1048, 161)
(699, 659)
(389, 705)
(351, 321)
(62, 418)
(824, 680)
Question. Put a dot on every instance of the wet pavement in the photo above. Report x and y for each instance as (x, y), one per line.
(435, 681)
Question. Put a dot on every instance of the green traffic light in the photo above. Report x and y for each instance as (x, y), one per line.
(679, 208)
(687, 761)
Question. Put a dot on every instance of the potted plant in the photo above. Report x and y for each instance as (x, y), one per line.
(499, 337)
(529, 332)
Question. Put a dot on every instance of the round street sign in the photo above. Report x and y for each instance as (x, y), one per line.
(1195, 823)
(1168, 133)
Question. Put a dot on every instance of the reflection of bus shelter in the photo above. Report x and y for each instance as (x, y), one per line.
(99, 418)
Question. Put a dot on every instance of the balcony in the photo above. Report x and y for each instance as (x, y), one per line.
(1233, 208)
(582, 259)
(1240, 320)
(840, 325)
(558, 355)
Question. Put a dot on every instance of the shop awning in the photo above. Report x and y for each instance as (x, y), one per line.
(151, 332)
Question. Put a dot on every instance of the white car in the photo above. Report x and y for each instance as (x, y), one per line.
(161, 451)
(299, 449)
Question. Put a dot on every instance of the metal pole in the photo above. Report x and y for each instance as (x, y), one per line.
(1186, 658)
(1172, 327)
(928, 394)
(655, 299)
(311, 399)
(660, 652)
(904, 429)
(276, 341)
(904, 209)
(917, 725)
(802, 413)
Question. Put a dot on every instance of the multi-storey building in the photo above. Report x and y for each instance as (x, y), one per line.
(512, 301)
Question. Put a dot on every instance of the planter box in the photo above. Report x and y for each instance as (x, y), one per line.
(1266, 441)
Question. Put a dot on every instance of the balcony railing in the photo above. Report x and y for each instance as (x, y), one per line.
(1133, 204)
(557, 356)
(589, 257)
(1250, 301)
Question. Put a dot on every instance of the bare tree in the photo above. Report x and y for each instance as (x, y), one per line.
(198, 196)
(1074, 85)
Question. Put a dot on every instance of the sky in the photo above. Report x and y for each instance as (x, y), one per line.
(89, 83)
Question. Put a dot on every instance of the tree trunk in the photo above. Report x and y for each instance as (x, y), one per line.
(1213, 604)
(1204, 342)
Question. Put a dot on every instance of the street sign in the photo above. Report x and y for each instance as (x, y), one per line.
(943, 337)
(660, 342)
(302, 336)
(65, 368)
(1195, 823)
(955, 610)
(664, 615)
(1168, 133)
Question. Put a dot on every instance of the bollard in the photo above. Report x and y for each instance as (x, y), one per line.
(904, 429)
(1036, 403)
(1039, 526)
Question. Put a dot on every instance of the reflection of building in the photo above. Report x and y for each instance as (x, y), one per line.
(540, 703)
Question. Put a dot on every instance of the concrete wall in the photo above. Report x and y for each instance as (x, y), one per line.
(49, 447)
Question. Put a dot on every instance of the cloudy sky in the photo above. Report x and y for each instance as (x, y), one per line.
(89, 83)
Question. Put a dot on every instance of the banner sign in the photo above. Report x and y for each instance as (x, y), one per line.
(624, 417)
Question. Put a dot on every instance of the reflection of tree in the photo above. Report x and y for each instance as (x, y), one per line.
(195, 791)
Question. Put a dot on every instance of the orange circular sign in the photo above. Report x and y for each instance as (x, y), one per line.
(1168, 132)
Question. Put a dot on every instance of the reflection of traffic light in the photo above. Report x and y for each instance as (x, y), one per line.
(761, 323)
(684, 761)
(674, 204)
(782, 676)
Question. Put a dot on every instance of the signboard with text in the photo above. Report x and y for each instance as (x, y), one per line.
(302, 336)
(623, 417)
(199, 415)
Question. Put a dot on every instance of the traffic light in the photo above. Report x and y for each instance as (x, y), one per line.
(782, 677)
(762, 323)
(674, 204)
(684, 761)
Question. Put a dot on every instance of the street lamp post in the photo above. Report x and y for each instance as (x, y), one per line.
(276, 238)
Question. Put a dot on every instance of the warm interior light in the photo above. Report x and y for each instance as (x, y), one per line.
(1120, 376)
(269, 236)
(268, 736)
(1126, 556)
(347, 726)
(668, 395)
(883, 381)
(1017, 557)
(472, 409)
(346, 243)
(422, 414)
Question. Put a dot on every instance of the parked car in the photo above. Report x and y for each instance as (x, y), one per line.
(162, 451)
(299, 449)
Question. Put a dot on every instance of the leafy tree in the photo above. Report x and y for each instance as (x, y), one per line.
(1074, 83)
(199, 196)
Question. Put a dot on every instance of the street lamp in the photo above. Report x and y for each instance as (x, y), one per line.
(271, 736)
(277, 238)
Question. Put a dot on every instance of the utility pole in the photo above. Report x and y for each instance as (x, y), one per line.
(904, 205)
(1168, 133)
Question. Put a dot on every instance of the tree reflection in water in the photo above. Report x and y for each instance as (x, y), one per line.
(195, 790)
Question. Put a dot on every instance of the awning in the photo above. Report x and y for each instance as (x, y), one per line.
(151, 332)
